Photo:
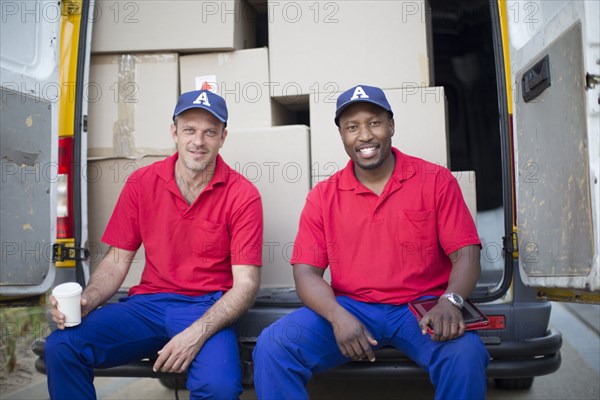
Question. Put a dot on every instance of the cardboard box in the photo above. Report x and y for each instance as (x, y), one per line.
(131, 99)
(277, 161)
(106, 178)
(420, 128)
(182, 25)
(332, 46)
(240, 77)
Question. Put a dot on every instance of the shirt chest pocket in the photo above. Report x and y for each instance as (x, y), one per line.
(417, 227)
(209, 240)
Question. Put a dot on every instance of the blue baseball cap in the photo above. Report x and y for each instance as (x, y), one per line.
(361, 93)
(205, 99)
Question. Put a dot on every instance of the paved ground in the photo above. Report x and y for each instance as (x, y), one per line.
(578, 377)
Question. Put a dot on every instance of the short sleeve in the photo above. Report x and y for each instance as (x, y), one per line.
(123, 229)
(310, 246)
(247, 233)
(455, 225)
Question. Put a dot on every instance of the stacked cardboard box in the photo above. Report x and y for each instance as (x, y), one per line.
(330, 46)
(276, 160)
(315, 51)
(241, 78)
(183, 26)
(130, 104)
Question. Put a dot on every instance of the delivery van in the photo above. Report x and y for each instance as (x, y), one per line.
(514, 86)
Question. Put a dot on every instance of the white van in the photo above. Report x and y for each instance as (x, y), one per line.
(521, 80)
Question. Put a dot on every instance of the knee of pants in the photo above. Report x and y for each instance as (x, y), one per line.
(221, 386)
(469, 352)
(58, 346)
(271, 344)
(474, 351)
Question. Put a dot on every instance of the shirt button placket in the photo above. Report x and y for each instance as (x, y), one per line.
(376, 215)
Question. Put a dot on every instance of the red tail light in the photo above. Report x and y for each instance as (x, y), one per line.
(497, 322)
(64, 200)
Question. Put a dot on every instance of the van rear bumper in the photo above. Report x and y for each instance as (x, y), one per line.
(405, 368)
(532, 357)
(529, 358)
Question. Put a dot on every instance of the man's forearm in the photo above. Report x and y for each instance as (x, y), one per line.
(315, 292)
(228, 308)
(465, 270)
(107, 277)
(352, 337)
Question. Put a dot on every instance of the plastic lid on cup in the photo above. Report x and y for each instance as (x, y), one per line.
(67, 289)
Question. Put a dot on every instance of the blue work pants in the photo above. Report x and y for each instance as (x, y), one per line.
(302, 343)
(136, 328)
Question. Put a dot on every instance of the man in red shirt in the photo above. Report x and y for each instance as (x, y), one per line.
(392, 228)
(201, 226)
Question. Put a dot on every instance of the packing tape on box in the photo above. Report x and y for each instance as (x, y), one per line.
(124, 126)
(128, 97)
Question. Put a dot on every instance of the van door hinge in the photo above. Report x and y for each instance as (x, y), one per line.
(509, 243)
(61, 253)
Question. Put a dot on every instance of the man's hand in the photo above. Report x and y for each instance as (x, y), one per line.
(179, 353)
(445, 318)
(446, 321)
(353, 339)
(59, 318)
(104, 283)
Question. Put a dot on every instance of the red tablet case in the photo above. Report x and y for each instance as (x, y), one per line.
(473, 317)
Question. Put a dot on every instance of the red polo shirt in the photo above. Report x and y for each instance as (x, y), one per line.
(391, 248)
(189, 248)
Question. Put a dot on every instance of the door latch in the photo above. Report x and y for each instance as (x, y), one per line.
(61, 253)
(591, 80)
(536, 79)
(509, 243)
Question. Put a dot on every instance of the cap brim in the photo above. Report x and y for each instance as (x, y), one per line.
(347, 104)
(202, 107)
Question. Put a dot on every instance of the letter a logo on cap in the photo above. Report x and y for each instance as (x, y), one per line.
(202, 99)
(359, 93)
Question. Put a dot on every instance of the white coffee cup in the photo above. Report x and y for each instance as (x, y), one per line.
(68, 296)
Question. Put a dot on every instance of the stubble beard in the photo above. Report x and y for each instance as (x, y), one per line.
(196, 166)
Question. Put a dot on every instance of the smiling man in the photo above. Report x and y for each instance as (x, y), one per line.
(392, 229)
(201, 226)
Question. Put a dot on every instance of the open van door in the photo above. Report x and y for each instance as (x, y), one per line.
(43, 60)
(555, 71)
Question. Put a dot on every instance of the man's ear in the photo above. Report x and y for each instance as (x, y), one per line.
(174, 132)
(223, 137)
(392, 126)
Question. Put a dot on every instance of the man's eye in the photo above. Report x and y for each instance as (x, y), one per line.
(351, 127)
(211, 133)
(189, 130)
(375, 123)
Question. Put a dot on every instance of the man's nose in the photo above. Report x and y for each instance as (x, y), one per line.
(364, 133)
(198, 138)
